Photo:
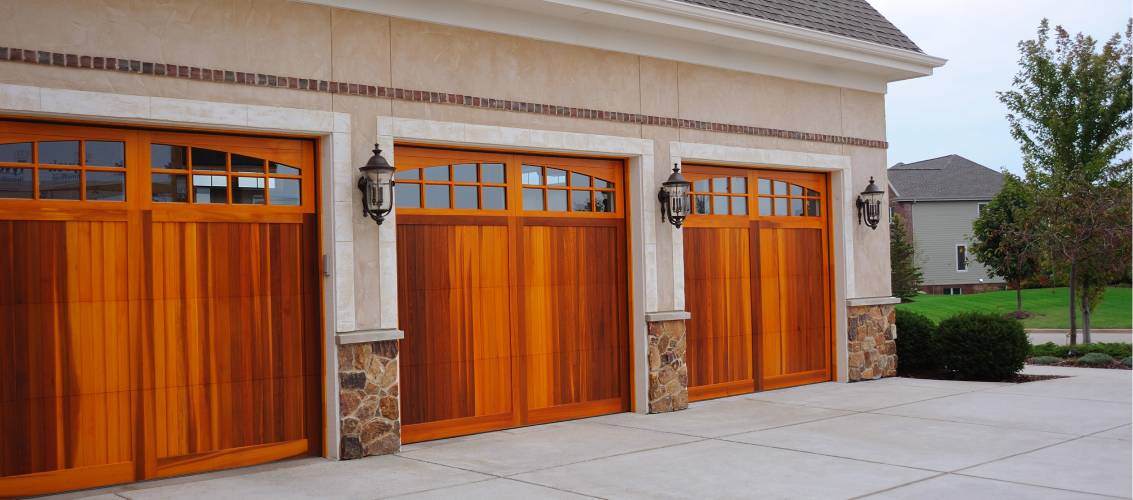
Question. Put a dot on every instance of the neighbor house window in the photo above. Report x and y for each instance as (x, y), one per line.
(961, 258)
(953, 291)
(982, 207)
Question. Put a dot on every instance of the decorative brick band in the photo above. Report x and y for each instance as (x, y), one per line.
(47, 58)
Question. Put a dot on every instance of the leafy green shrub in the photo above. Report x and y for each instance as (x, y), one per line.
(979, 346)
(916, 342)
(1127, 361)
(1115, 349)
(1096, 359)
(1045, 360)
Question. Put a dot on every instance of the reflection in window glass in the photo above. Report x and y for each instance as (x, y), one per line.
(492, 173)
(720, 185)
(739, 205)
(580, 201)
(408, 195)
(812, 193)
(602, 183)
(207, 159)
(15, 182)
(281, 169)
(494, 198)
(780, 187)
(701, 202)
(532, 198)
(700, 186)
(464, 172)
(720, 205)
(556, 177)
(241, 163)
(106, 186)
(464, 197)
(19, 152)
(780, 206)
(812, 207)
(59, 153)
(105, 154)
(436, 174)
(764, 186)
(408, 175)
(532, 175)
(166, 156)
(579, 180)
(248, 191)
(59, 184)
(285, 192)
(796, 190)
(739, 184)
(556, 198)
(797, 206)
(436, 196)
(169, 188)
(210, 188)
(603, 201)
(765, 206)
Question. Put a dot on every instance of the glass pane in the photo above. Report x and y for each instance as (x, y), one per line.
(720, 205)
(436, 174)
(166, 156)
(249, 191)
(105, 154)
(241, 163)
(764, 205)
(739, 205)
(532, 198)
(796, 190)
(796, 206)
(169, 187)
(556, 198)
(812, 207)
(279, 168)
(739, 184)
(19, 152)
(285, 192)
(59, 153)
(603, 201)
(702, 206)
(579, 180)
(207, 159)
(780, 206)
(408, 195)
(780, 187)
(494, 198)
(210, 188)
(719, 184)
(464, 172)
(580, 201)
(492, 173)
(15, 182)
(532, 175)
(812, 193)
(436, 196)
(764, 186)
(108, 186)
(464, 197)
(700, 186)
(413, 174)
(556, 177)
(59, 184)
(602, 183)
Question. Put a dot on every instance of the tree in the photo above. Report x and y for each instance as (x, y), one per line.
(1069, 110)
(1005, 239)
(905, 276)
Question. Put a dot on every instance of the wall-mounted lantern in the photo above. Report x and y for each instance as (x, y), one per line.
(376, 184)
(869, 205)
(674, 198)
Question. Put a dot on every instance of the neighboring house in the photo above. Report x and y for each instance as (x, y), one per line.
(188, 282)
(938, 199)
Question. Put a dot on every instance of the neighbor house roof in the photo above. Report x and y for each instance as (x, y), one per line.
(850, 18)
(951, 177)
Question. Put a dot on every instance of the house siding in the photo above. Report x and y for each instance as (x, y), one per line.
(938, 226)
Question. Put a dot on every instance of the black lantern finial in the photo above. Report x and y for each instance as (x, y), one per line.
(674, 198)
(869, 205)
(376, 185)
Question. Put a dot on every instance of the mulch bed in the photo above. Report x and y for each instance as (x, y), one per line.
(1018, 378)
(1073, 363)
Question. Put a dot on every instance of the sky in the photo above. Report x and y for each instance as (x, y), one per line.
(956, 110)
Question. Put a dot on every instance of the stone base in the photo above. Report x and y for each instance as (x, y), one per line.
(668, 374)
(872, 342)
(369, 405)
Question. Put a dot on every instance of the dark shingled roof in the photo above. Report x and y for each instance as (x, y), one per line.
(850, 18)
(951, 177)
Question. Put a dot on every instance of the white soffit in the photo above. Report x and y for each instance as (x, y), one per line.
(669, 29)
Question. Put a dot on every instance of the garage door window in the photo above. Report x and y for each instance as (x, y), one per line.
(780, 198)
(63, 170)
(469, 186)
(548, 189)
(220, 177)
(724, 195)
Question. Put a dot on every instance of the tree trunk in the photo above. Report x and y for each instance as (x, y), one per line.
(1073, 309)
(1085, 318)
(1018, 301)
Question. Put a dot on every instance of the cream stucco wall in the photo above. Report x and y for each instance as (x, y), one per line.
(310, 41)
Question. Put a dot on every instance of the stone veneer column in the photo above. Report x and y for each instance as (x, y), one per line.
(368, 396)
(872, 335)
(668, 373)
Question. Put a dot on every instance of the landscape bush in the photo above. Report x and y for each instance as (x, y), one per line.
(1127, 361)
(1117, 350)
(1096, 359)
(1045, 360)
(916, 342)
(977, 346)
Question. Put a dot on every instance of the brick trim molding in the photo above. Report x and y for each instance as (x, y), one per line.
(122, 65)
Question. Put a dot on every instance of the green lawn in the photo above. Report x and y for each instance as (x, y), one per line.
(1048, 307)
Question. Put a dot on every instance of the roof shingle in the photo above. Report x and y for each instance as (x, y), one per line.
(951, 177)
(850, 18)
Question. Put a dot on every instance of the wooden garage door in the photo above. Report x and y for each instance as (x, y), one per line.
(757, 281)
(158, 304)
(512, 290)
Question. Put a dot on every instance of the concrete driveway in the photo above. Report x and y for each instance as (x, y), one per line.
(893, 438)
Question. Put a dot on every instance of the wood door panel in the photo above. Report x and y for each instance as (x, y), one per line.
(793, 289)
